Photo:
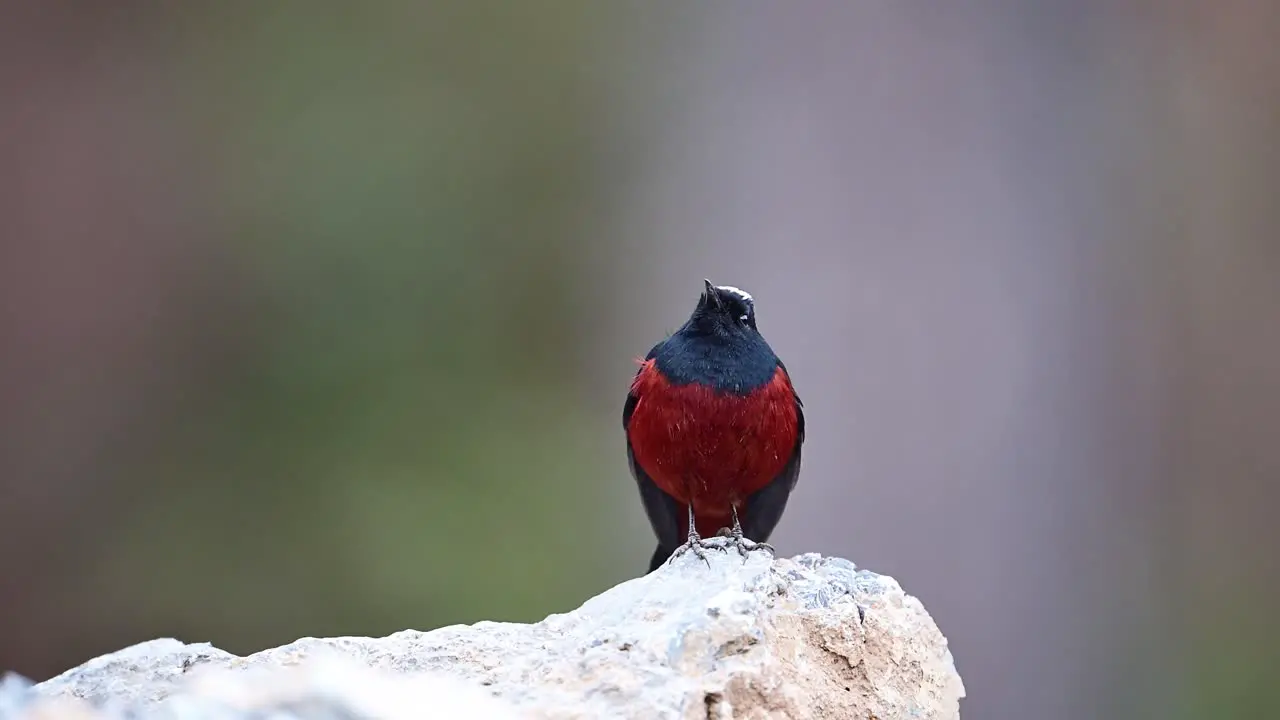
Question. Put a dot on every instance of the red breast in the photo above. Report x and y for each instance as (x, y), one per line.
(709, 447)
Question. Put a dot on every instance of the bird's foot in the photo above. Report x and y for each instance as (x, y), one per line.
(697, 545)
(745, 546)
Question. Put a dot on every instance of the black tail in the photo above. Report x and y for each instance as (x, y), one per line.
(660, 555)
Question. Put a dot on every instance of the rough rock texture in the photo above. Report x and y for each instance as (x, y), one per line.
(806, 638)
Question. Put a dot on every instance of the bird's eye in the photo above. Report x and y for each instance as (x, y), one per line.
(743, 318)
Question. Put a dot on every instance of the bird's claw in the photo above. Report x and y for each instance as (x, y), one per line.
(745, 545)
(697, 545)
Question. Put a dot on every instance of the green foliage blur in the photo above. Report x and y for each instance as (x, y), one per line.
(390, 436)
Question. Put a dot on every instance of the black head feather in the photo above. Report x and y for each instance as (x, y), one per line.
(719, 345)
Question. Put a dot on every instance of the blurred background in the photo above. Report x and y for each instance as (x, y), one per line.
(317, 318)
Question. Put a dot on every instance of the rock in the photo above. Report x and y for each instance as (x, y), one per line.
(324, 685)
(805, 638)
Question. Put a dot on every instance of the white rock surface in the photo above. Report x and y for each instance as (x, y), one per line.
(807, 638)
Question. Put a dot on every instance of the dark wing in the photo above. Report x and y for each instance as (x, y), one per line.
(764, 508)
(663, 510)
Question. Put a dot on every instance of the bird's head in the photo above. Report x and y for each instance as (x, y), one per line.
(725, 311)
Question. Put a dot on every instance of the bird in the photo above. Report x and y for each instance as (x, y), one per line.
(714, 430)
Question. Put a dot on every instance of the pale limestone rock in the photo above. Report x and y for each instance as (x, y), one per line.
(807, 638)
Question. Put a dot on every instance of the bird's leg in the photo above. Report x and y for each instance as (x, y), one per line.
(743, 544)
(696, 543)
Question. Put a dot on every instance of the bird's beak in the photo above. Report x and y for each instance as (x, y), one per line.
(712, 295)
